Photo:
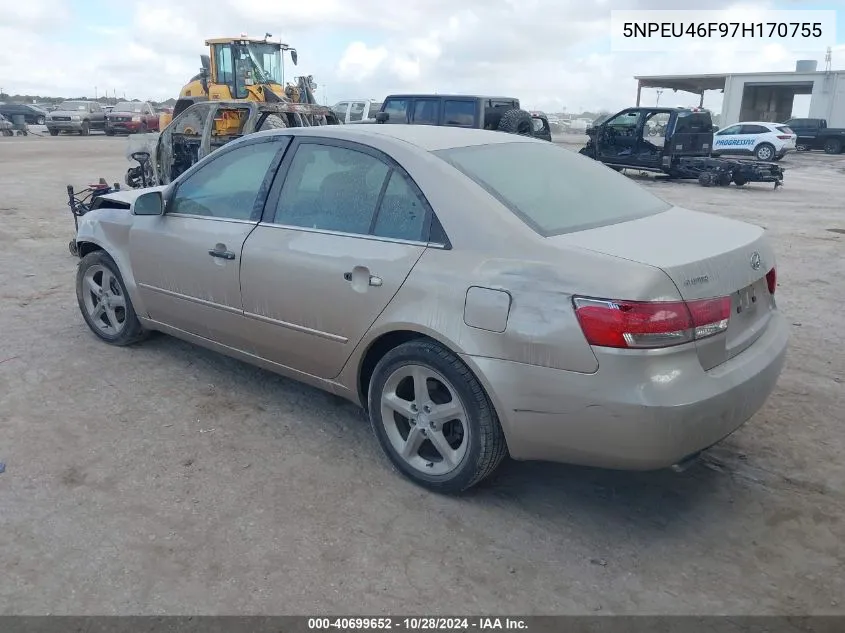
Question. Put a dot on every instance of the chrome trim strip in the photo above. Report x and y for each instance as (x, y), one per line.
(210, 217)
(204, 302)
(297, 328)
(375, 238)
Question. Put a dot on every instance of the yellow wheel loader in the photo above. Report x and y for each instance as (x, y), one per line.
(245, 69)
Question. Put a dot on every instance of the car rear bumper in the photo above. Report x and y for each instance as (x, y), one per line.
(637, 412)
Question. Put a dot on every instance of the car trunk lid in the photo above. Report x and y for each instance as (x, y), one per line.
(706, 256)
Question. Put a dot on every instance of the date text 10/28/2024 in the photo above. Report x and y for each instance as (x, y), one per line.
(416, 624)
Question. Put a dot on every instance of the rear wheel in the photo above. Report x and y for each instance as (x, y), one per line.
(433, 419)
(273, 122)
(54, 132)
(765, 151)
(40, 120)
(706, 179)
(832, 146)
(104, 302)
(109, 132)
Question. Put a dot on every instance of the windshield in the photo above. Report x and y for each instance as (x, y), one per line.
(555, 190)
(265, 62)
(128, 106)
(73, 105)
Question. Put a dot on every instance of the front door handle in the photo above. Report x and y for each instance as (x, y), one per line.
(220, 251)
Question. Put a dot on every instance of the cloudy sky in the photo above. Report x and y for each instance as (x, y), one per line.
(553, 54)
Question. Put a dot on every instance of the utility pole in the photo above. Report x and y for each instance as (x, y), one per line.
(659, 92)
(95, 93)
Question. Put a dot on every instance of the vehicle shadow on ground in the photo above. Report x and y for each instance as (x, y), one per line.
(549, 490)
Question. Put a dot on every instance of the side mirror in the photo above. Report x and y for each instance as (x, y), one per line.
(293, 56)
(382, 117)
(150, 203)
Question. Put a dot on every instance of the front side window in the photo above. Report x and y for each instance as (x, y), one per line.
(554, 190)
(228, 186)
(397, 109)
(340, 109)
(331, 188)
(356, 112)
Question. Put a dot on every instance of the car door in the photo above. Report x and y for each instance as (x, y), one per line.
(187, 261)
(617, 138)
(342, 111)
(150, 117)
(97, 116)
(357, 111)
(727, 140)
(340, 234)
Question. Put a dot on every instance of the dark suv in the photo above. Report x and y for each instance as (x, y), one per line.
(488, 113)
(33, 115)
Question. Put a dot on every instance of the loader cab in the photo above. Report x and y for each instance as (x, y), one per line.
(235, 66)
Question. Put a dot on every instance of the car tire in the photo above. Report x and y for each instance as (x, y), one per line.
(273, 122)
(473, 438)
(706, 179)
(739, 180)
(54, 132)
(115, 324)
(516, 121)
(85, 130)
(764, 152)
(832, 146)
(109, 132)
(40, 120)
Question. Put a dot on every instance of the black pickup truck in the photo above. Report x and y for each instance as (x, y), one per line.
(814, 134)
(625, 141)
(488, 113)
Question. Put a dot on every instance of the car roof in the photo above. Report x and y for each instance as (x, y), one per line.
(426, 137)
(757, 123)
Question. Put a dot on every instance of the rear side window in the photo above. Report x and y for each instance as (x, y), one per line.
(401, 214)
(331, 188)
(754, 129)
(554, 190)
(785, 130)
(459, 113)
(693, 123)
(426, 111)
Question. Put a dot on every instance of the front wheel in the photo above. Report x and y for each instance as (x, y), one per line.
(54, 132)
(433, 419)
(85, 129)
(104, 302)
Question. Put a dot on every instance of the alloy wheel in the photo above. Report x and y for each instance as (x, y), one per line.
(104, 300)
(425, 420)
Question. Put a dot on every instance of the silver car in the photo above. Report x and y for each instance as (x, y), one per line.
(479, 294)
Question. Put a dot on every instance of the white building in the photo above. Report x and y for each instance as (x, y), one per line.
(764, 96)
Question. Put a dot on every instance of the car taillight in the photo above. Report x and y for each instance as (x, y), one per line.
(649, 324)
(784, 137)
(772, 280)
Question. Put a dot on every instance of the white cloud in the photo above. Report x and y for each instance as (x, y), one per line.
(552, 54)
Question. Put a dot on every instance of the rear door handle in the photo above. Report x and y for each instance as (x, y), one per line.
(373, 281)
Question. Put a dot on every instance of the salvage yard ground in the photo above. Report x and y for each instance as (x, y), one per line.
(168, 479)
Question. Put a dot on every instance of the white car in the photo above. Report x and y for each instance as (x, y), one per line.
(764, 141)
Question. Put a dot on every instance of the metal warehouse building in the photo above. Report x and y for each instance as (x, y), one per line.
(764, 96)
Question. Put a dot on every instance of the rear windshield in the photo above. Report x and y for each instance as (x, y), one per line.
(553, 190)
(128, 106)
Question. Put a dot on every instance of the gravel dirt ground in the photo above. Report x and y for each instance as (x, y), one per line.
(165, 479)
